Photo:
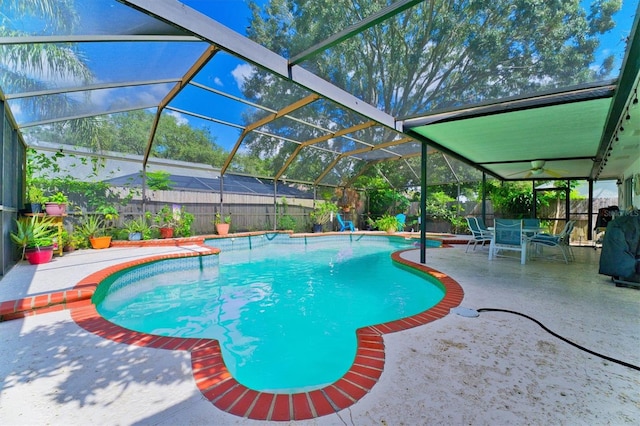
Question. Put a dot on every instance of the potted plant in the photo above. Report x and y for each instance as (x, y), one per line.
(183, 224)
(166, 220)
(222, 223)
(35, 199)
(386, 223)
(35, 237)
(71, 240)
(93, 228)
(136, 228)
(56, 204)
(322, 214)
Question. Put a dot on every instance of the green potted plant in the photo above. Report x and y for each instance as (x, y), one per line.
(35, 199)
(222, 223)
(71, 240)
(183, 225)
(56, 204)
(166, 219)
(322, 214)
(35, 237)
(93, 229)
(386, 223)
(136, 228)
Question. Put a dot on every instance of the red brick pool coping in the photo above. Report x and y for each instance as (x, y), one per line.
(209, 371)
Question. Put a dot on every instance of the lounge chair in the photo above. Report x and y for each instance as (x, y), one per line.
(344, 224)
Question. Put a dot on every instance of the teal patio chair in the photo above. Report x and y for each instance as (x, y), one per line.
(508, 237)
(530, 223)
(481, 224)
(561, 241)
(478, 236)
(344, 224)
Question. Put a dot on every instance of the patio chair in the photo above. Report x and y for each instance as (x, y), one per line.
(402, 218)
(561, 241)
(508, 236)
(530, 223)
(344, 224)
(478, 235)
(482, 225)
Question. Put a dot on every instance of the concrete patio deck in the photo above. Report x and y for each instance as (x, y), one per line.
(498, 368)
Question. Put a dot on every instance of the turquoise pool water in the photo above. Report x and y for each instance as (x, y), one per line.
(285, 314)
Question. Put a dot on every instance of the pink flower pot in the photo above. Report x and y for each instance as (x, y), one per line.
(55, 209)
(39, 255)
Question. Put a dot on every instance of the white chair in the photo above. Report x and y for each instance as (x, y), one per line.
(561, 241)
(507, 236)
(478, 236)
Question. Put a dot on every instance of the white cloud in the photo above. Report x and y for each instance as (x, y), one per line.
(179, 117)
(218, 82)
(241, 73)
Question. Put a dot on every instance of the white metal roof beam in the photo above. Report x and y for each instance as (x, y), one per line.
(94, 39)
(88, 87)
(378, 17)
(177, 14)
(78, 116)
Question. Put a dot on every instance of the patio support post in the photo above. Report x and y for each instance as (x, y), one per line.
(590, 212)
(484, 197)
(567, 201)
(535, 199)
(275, 205)
(423, 203)
(221, 193)
(144, 187)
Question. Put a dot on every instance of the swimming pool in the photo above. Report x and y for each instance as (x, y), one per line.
(266, 306)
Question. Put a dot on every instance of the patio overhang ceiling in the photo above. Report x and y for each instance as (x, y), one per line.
(568, 133)
(511, 139)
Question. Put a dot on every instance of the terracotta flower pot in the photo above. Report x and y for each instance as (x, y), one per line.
(166, 232)
(39, 255)
(222, 228)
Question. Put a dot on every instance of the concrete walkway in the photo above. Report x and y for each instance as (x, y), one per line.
(498, 368)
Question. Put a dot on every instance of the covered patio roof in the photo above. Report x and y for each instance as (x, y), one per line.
(175, 59)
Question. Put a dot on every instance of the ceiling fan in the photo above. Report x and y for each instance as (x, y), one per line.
(538, 169)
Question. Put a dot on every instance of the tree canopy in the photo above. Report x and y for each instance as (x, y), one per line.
(438, 54)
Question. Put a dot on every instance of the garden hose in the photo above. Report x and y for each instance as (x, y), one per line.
(582, 348)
